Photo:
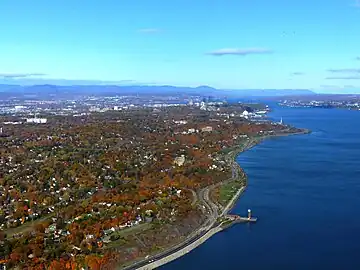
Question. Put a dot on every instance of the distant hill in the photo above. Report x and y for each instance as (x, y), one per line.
(63, 91)
(270, 92)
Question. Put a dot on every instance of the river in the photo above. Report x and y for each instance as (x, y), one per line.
(305, 191)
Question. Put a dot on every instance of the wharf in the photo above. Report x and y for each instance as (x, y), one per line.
(240, 219)
(245, 219)
(235, 219)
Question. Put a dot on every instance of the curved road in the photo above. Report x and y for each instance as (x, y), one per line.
(212, 212)
(211, 209)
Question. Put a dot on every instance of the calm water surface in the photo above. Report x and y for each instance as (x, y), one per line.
(305, 190)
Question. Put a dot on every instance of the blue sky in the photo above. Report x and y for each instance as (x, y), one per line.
(232, 44)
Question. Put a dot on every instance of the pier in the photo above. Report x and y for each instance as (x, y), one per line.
(245, 219)
(240, 219)
(230, 220)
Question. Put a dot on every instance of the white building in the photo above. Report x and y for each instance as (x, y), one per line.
(245, 114)
(36, 120)
(261, 112)
(181, 122)
(19, 107)
(180, 160)
(207, 129)
(12, 123)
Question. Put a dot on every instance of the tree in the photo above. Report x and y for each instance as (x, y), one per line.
(93, 262)
(17, 255)
(40, 227)
(57, 265)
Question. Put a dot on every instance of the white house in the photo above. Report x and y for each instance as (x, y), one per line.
(207, 129)
(180, 160)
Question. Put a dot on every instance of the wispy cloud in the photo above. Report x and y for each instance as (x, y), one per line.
(297, 73)
(355, 77)
(331, 86)
(345, 70)
(346, 74)
(20, 75)
(69, 82)
(239, 51)
(149, 30)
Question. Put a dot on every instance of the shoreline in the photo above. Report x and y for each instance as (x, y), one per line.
(238, 152)
(234, 152)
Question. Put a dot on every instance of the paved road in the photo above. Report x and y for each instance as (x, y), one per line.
(212, 211)
(171, 251)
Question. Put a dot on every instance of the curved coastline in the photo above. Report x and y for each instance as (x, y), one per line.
(239, 150)
(182, 249)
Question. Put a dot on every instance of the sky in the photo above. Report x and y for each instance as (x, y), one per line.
(229, 44)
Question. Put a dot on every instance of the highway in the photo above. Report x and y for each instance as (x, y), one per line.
(170, 251)
(212, 211)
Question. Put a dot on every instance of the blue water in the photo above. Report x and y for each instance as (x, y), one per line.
(305, 190)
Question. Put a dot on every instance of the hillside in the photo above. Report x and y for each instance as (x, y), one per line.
(61, 91)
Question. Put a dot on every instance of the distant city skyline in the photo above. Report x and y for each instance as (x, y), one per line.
(230, 44)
